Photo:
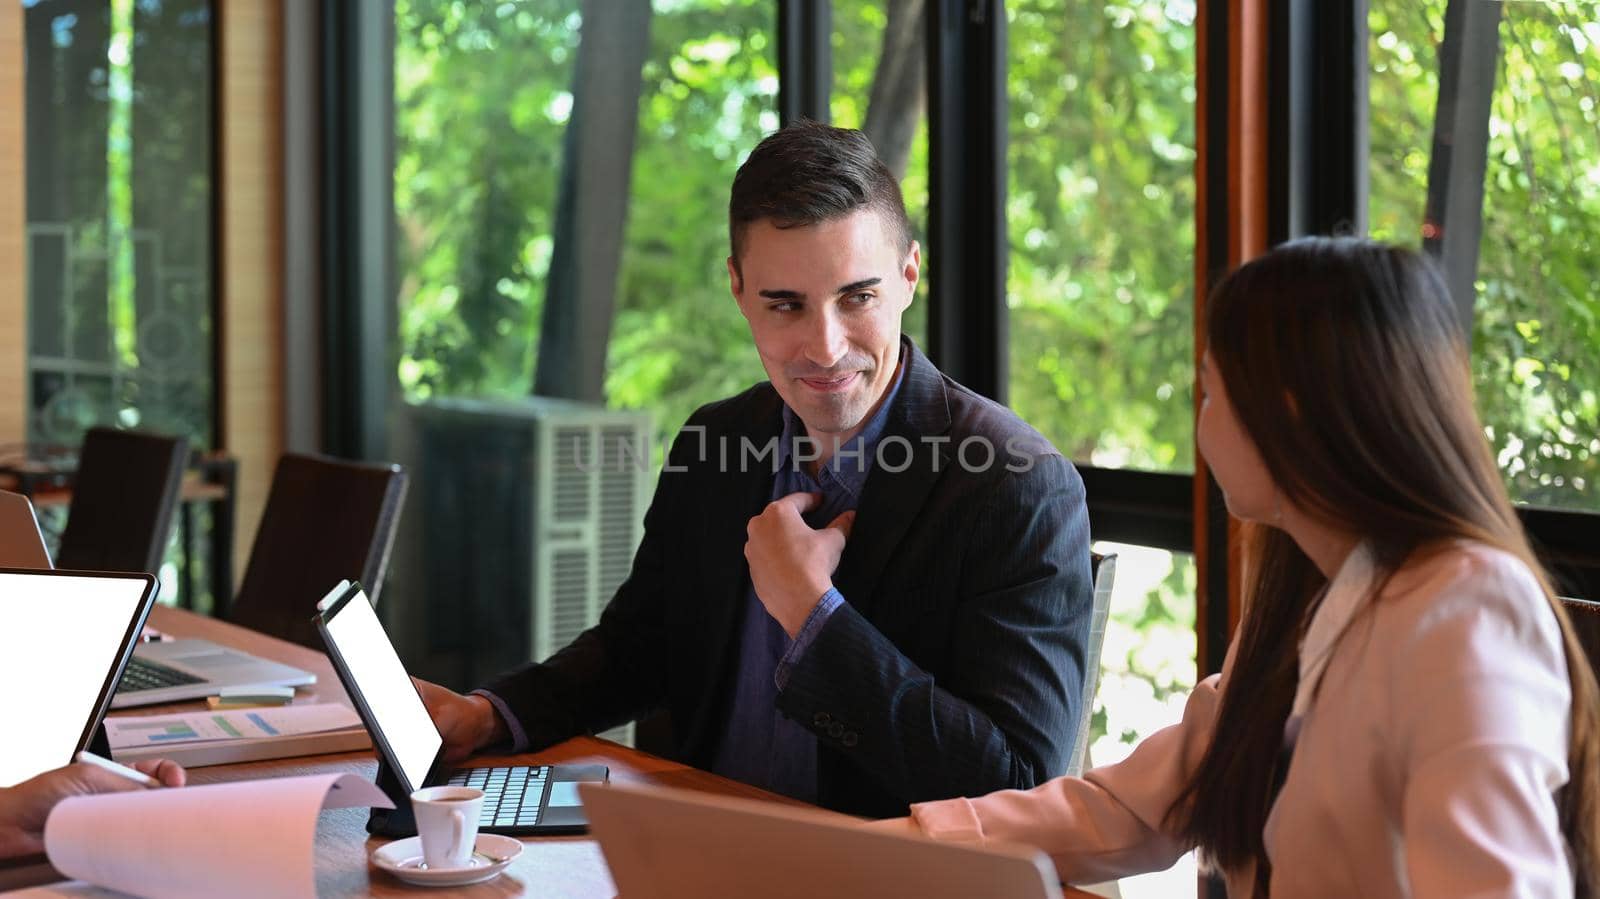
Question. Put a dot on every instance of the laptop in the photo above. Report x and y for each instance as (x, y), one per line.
(67, 637)
(175, 670)
(168, 671)
(21, 542)
(518, 799)
(676, 844)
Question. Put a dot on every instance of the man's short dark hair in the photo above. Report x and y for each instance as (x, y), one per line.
(808, 173)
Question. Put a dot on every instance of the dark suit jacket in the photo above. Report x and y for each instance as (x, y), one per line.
(955, 666)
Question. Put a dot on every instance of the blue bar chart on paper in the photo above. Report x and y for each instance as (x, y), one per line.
(160, 731)
(131, 731)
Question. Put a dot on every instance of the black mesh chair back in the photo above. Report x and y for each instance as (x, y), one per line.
(326, 520)
(122, 501)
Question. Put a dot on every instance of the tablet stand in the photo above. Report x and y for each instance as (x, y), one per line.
(397, 821)
(100, 744)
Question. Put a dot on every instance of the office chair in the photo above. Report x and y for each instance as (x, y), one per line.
(325, 520)
(123, 497)
(1104, 571)
(1585, 615)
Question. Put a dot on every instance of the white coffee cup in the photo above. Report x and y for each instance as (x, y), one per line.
(447, 822)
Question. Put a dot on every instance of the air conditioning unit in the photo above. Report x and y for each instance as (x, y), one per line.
(526, 514)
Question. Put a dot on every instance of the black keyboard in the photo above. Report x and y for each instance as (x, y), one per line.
(511, 795)
(143, 674)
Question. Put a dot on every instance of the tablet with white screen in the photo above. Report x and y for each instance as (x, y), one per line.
(518, 799)
(65, 637)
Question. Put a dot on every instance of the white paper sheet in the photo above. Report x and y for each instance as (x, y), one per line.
(244, 840)
(66, 889)
(128, 731)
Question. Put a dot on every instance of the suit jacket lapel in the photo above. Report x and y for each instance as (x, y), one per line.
(891, 500)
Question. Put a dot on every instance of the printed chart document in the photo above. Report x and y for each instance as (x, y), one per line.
(235, 724)
(246, 840)
(195, 739)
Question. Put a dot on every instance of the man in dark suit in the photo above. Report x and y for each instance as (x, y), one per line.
(860, 584)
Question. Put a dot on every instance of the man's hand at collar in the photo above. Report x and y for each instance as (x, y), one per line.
(792, 565)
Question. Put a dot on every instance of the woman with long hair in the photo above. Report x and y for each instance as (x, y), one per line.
(1405, 710)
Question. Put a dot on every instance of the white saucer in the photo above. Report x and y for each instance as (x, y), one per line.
(403, 859)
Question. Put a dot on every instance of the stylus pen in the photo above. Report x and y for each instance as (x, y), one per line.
(138, 777)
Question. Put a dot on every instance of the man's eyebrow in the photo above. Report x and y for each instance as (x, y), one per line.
(863, 284)
(853, 286)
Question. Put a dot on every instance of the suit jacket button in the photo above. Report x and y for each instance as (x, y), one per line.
(836, 731)
(821, 719)
(850, 738)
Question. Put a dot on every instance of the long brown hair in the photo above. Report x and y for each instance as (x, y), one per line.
(1346, 365)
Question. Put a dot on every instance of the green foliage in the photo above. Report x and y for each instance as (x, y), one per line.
(710, 94)
(481, 98)
(1101, 212)
(1536, 329)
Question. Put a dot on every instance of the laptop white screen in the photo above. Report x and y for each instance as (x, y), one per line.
(61, 637)
(397, 711)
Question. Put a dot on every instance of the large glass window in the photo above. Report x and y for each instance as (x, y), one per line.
(118, 121)
(478, 146)
(710, 95)
(1536, 322)
(119, 137)
(1101, 218)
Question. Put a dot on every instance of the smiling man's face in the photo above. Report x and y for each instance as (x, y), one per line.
(824, 303)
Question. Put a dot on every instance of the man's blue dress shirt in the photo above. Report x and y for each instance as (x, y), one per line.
(760, 745)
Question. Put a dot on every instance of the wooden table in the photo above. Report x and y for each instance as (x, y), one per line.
(548, 866)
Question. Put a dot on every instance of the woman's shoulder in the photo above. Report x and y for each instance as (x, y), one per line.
(1463, 588)
(1474, 659)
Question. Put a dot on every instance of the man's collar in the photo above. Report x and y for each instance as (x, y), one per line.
(923, 407)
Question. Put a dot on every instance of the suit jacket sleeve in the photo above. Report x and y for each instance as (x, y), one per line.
(612, 672)
(1003, 712)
